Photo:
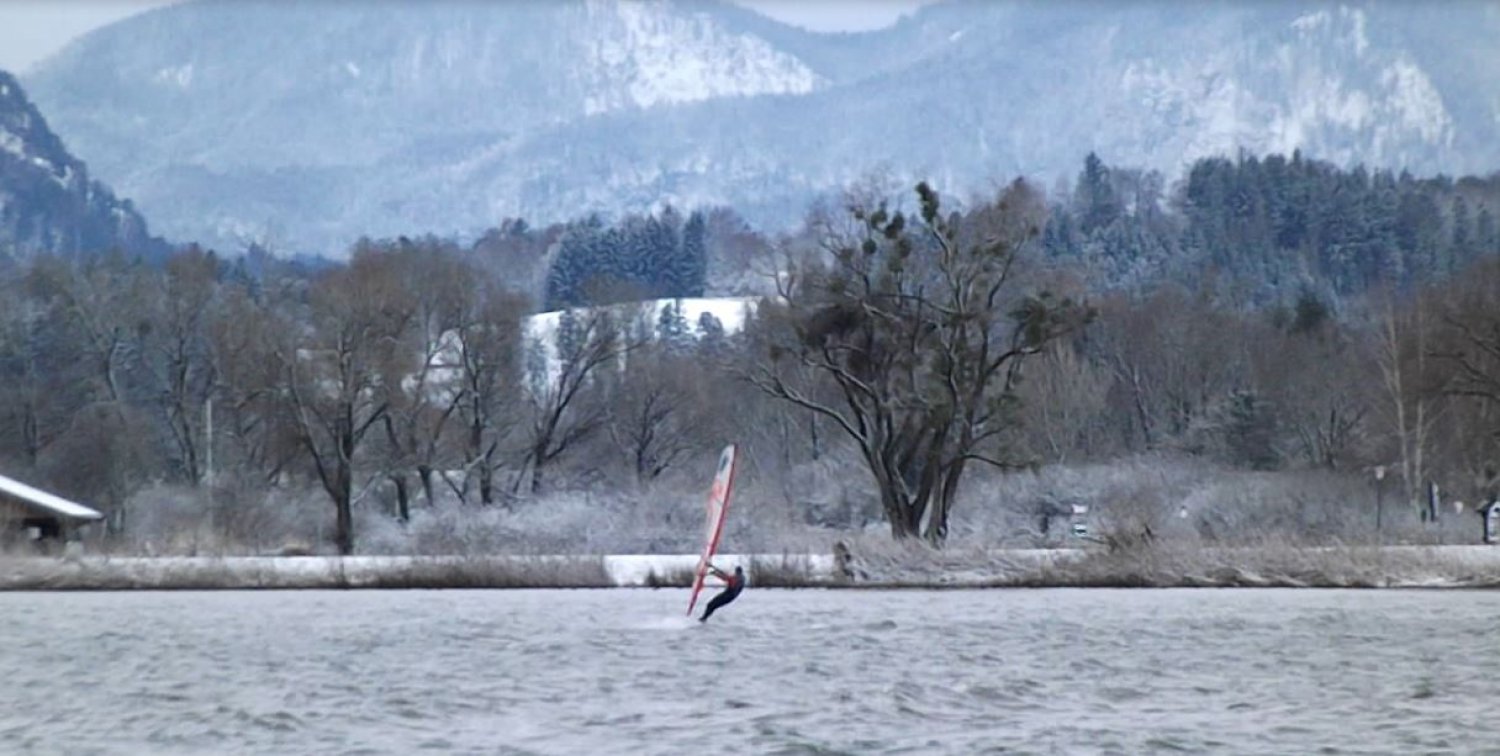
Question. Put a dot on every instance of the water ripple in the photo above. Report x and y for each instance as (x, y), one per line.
(804, 672)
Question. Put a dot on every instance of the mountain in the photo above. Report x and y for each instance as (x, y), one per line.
(303, 126)
(47, 202)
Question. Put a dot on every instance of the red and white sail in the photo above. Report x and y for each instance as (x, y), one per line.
(718, 507)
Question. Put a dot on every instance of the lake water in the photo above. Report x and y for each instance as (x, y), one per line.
(621, 671)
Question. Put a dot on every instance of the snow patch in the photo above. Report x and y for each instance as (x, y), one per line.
(540, 330)
(1311, 22)
(1350, 29)
(11, 143)
(181, 76)
(643, 54)
(1357, 20)
(731, 312)
(1416, 102)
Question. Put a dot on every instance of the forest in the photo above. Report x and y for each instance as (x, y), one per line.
(1269, 348)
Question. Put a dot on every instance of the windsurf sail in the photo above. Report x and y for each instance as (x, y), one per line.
(718, 506)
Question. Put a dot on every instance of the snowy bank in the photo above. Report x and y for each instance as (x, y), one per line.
(552, 571)
(890, 565)
(1168, 565)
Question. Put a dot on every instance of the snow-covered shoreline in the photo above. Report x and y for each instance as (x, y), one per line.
(1318, 567)
(312, 572)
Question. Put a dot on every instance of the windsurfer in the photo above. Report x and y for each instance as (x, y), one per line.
(733, 585)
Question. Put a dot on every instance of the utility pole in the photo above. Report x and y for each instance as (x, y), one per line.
(1379, 502)
(208, 440)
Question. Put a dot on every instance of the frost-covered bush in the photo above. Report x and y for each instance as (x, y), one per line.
(652, 520)
(180, 520)
(1182, 499)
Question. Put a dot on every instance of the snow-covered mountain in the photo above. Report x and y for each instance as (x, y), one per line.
(47, 202)
(308, 124)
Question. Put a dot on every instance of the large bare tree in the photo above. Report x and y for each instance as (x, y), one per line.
(175, 352)
(488, 342)
(1468, 348)
(922, 325)
(337, 375)
(564, 401)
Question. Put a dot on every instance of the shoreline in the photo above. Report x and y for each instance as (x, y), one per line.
(1364, 567)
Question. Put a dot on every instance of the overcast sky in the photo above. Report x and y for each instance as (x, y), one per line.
(33, 29)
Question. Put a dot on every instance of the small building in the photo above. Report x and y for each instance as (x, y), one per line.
(1490, 513)
(29, 514)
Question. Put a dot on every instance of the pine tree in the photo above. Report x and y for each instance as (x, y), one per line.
(672, 328)
(694, 256)
(711, 335)
(1486, 241)
(1250, 432)
(1097, 202)
(1461, 249)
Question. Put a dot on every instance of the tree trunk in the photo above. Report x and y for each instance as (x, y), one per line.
(486, 484)
(897, 511)
(403, 498)
(425, 475)
(942, 504)
(536, 475)
(344, 481)
(343, 502)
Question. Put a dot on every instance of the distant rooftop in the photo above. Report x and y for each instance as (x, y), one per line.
(50, 502)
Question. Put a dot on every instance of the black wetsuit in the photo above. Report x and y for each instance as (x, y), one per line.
(730, 593)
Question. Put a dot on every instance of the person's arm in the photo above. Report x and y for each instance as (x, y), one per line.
(718, 573)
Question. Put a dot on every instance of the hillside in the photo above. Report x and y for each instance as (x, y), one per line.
(305, 126)
(48, 204)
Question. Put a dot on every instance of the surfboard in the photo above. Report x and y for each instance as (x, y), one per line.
(718, 507)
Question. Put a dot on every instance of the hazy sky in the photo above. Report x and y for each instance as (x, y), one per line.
(32, 29)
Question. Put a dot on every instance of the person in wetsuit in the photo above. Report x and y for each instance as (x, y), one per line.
(735, 584)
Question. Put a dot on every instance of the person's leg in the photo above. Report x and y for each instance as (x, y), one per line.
(718, 601)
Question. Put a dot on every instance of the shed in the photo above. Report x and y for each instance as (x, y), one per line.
(1490, 512)
(31, 514)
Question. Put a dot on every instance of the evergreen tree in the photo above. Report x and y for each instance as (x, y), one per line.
(1461, 249)
(712, 339)
(1097, 202)
(672, 328)
(694, 256)
(1485, 238)
(577, 262)
(1250, 432)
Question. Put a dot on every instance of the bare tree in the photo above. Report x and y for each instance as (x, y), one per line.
(1468, 346)
(40, 387)
(919, 325)
(252, 437)
(563, 406)
(488, 340)
(659, 406)
(176, 354)
(421, 405)
(336, 376)
(1402, 350)
(1063, 401)
(97, 299)
(1315, 373)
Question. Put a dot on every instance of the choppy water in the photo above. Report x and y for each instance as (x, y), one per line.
(619, 671)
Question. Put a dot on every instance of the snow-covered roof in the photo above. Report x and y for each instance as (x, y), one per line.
(51, 502)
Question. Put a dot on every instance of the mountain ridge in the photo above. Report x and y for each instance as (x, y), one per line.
(48, 203)
(238, 121)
